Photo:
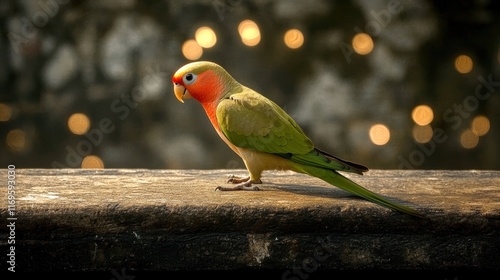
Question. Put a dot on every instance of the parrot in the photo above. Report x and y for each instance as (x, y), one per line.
(263, 134)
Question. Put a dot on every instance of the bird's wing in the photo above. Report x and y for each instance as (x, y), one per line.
(250, 120)
(318, 158)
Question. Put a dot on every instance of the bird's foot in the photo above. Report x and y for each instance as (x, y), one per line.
(242, 183)
(237, 179)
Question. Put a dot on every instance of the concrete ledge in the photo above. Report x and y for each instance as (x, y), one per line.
(173, 220)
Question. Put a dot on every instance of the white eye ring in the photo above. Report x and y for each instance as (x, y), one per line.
(189, 78)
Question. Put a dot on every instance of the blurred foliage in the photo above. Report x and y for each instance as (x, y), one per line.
(112, 62)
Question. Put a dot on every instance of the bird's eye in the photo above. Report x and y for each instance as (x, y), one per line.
(189, 78)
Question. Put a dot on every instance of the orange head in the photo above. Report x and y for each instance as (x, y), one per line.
(202, 80)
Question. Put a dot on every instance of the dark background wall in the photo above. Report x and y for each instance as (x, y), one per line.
(112, 61)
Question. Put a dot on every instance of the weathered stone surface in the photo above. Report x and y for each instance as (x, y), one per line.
(173, 220)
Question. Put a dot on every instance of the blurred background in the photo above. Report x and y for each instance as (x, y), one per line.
(392, 84)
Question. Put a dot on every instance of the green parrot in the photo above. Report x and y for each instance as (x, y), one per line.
(263, 134)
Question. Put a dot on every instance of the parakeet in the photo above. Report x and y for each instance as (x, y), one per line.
(263, 134)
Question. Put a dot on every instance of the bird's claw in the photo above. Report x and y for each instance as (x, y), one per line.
(245, 185)
(237, 179)
(242, 183)
(237, 188)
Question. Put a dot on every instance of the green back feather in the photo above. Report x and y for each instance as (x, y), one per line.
(250, 120)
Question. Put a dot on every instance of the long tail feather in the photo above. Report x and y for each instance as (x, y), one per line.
(344, 183)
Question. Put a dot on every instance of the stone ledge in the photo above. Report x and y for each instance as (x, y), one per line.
(173, 220)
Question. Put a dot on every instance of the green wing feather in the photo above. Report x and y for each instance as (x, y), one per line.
(250, 120)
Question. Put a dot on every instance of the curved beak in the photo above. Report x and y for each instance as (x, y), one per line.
(181, 92)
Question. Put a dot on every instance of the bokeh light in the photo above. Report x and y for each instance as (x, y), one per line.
(191, 50)
(480, 125)
(426, 92)
(205, 37)
(16, 140)
(5, 112)
(78, 123)
(469, 139)
(379, 134)
(362, 43)
(463, 64)
(92, 161)
(249, 32)
(293, 38)
(422, 115)
(422, 134)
